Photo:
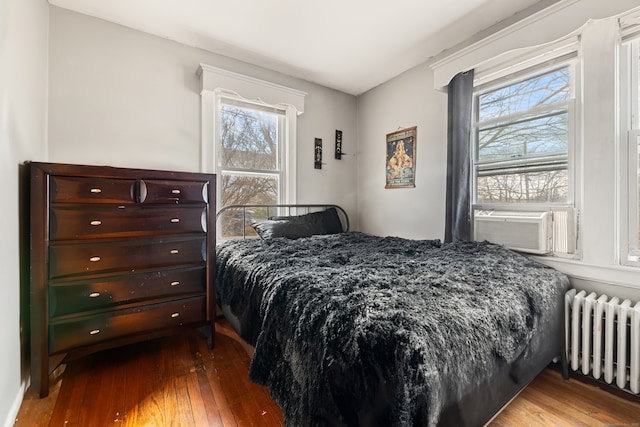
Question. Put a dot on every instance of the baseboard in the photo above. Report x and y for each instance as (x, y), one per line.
(609, 388)
(15, 406)
(605, 386)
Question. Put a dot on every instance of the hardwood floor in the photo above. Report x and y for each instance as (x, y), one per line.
(173, 381)
(178, 381)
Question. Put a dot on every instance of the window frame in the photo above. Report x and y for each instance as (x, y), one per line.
(504, 79)
(216, 82)
(628, 152)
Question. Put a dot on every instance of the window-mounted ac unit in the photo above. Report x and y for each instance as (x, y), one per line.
(522, 231)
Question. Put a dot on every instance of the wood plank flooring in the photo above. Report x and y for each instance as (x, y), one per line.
(178, 381)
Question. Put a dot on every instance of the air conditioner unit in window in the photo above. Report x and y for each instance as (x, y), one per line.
(522, 231)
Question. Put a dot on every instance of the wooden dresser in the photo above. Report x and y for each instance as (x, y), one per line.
(117, 256)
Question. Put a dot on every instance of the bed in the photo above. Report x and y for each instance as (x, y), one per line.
(351, 329)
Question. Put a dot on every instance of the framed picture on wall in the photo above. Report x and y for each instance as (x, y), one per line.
(401, 158)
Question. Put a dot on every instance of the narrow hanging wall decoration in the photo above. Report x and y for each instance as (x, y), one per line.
(317, 164)
(401, 158)
(338, 144)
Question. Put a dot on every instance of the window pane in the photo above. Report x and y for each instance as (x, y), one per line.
(635, 109)
(638, 189)
(245, 189)
(523, 187)
(544, 89)
(249, 138)
(529, 137)
(236, 223)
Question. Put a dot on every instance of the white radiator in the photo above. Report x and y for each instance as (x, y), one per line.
(603, 338)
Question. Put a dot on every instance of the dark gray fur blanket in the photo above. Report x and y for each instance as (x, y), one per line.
(353, 329)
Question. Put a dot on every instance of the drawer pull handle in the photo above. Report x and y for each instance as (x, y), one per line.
(175, 220)
(174, 251)
(94, 332)
(94, 294)
(176, 283)
(96, 190)
(175, 191)
(174, 315)
(96, 222)
(94, 259)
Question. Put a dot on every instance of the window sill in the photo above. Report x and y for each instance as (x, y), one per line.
(619, 275)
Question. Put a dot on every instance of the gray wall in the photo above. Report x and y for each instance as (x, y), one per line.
(23, 115)
(120, 97)
(405, 101)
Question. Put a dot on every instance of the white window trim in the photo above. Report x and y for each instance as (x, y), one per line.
(217, 83)
(630, 24)
(505, 46)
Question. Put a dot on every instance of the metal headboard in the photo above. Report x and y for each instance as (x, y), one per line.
(282, 209)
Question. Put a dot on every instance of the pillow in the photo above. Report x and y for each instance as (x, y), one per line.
(294, 227)
(325, 222)
(268, 229)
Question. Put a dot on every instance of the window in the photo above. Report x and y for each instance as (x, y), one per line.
(523, 143)
(630, 136)
(248, 141)
(250, 161)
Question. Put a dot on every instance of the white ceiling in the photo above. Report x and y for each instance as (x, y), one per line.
(348, 45)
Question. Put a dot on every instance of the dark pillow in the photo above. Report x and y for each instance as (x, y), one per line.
(324, 222)
(268, 229)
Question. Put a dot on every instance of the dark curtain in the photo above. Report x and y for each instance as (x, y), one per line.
(458, 210)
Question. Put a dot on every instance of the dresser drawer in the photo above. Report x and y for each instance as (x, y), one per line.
(120, 255)
(86, 330)
(156, 191)
(79, 296)
(63, 189)
(70, 221)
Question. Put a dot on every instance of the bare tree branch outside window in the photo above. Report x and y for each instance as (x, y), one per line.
(522, 141)
(249, 157)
